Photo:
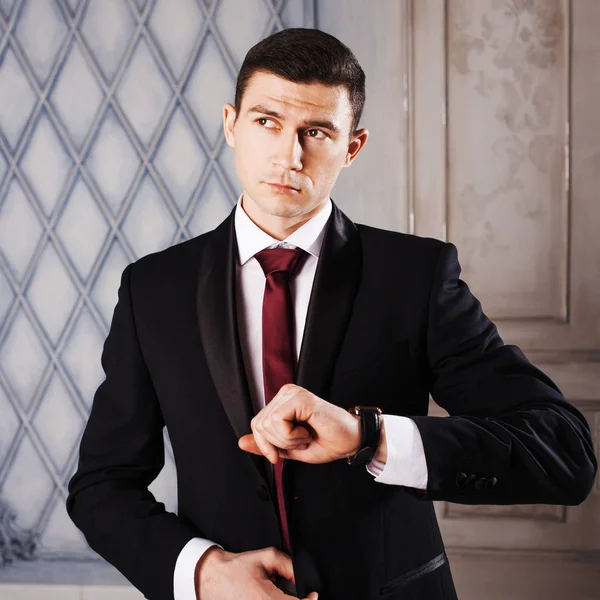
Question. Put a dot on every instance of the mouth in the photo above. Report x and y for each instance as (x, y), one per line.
(286, 189)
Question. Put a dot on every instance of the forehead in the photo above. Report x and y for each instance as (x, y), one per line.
(290, 97)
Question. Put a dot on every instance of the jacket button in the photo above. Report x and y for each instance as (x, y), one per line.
(460, 480)
(480, 483)
(470, 481)
(491, 482)
(262, 493)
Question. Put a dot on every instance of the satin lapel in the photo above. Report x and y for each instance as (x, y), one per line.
(217, 319)
(334, 289)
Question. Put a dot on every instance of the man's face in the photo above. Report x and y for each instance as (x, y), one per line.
(290, 134)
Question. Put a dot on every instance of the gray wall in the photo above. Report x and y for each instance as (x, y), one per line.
(372, 188)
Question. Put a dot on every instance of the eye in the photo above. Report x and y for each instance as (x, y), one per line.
(263, 121)
(316, 134)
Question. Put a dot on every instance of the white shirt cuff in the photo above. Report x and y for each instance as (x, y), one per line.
(406, 464)
(184, 586)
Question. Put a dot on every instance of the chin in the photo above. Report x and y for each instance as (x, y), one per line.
(280, 206)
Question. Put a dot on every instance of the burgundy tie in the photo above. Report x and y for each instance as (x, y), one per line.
(279, 355)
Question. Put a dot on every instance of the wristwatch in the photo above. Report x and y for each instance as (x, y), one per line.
(370, 427)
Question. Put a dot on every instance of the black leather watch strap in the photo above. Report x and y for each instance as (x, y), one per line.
(370, 421)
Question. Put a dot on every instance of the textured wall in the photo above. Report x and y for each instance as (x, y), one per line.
(111, 147)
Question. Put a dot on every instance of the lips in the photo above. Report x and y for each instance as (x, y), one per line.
(282, 185)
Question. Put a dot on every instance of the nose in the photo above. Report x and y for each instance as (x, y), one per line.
(288, 152)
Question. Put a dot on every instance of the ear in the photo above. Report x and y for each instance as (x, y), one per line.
(357, 143)
(229, 116)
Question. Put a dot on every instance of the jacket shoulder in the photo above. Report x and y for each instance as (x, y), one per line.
(398, 241)
(174, 261)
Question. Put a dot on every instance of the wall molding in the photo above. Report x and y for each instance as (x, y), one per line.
(15, 543)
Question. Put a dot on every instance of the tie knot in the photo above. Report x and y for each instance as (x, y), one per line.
(281, 259)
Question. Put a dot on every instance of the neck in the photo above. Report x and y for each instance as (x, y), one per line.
(278, 227)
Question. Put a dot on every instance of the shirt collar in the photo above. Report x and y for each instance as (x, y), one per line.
(252, 239)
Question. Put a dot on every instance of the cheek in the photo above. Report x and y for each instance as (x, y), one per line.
(248, 156)
(326, 169)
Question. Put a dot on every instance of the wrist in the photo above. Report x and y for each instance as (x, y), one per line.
(202, 574)
(369, 419)
(356, 437)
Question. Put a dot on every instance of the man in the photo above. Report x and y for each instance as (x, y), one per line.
(253, 343)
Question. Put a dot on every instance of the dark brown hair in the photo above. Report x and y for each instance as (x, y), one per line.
(306, 56)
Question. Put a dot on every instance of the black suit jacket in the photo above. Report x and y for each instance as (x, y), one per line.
(389, 321)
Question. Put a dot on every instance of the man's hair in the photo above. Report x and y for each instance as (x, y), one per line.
(306, 56)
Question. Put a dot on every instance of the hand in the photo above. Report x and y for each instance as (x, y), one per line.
(225, 575)
(297, 424)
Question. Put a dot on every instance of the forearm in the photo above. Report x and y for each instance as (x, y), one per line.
(132, 531)
(535, 454)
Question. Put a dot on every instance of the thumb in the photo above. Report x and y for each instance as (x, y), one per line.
(276, 561)
(247, 443)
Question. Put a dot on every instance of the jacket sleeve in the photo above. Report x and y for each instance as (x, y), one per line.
(121, 453)
(511, 437)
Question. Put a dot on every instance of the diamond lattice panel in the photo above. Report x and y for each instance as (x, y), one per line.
(56, 408)
(9, 425)
(80, 355)
(255, 15)
(144, 93)
(206, 100)
(180, 160)
(51, 293)
(40, 33)
(23, 360)
(20, 230)
(82, 229)
(112, 162)
(107, 29)
(111, 147)
(46, 164)
(175, 25)
(76, 96)
(17, 98)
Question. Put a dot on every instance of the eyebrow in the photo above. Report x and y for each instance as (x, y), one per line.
(325, 124)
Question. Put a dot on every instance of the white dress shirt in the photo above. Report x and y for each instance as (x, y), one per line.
(405, 463)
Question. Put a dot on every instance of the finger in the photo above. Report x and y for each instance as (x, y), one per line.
(276, 561)
(248, 444)
(279, 426)
(286, 390)
(283, 434)
(266, 446)
(271, 433)
(296, 432)
(277, 594)
(267, 449)
(292, 452)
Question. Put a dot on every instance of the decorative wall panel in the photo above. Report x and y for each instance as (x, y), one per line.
(542, 512)
(111, 147)
(508, 149)
(505, 155)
